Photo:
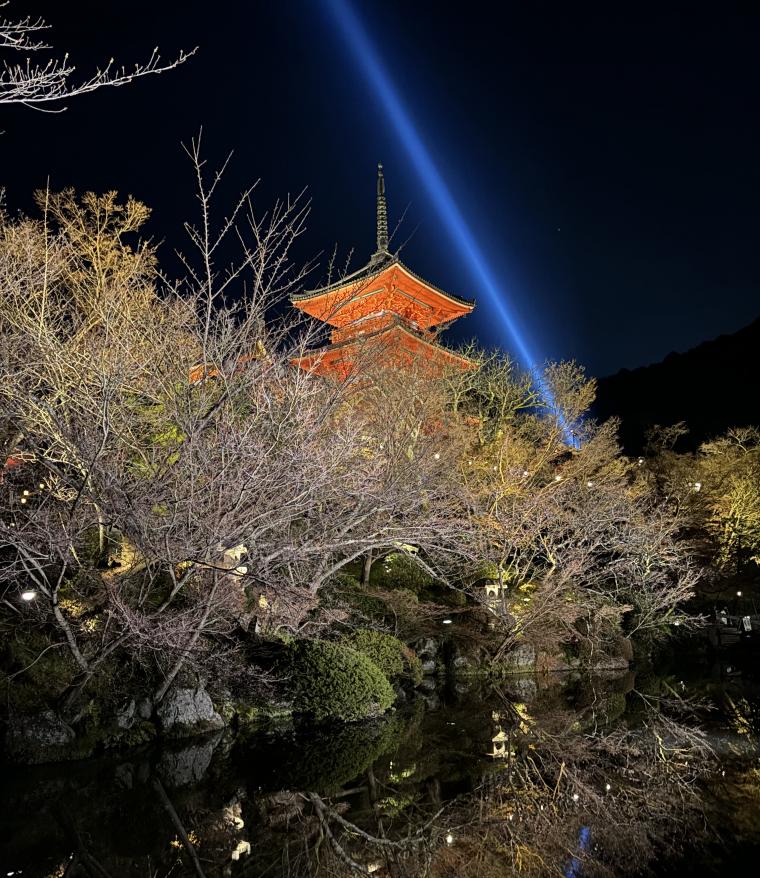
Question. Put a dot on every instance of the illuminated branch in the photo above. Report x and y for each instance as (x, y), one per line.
(36, 85)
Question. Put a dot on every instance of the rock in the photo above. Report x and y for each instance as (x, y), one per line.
(187, 712)
(462, 663)
(428, 648)
(145, 708)
(624, 648)
(521, 658)
(522, 688)
(125, 716)
(610, 663)
(428, 666)
(427, 685)
(124, 776)
(432, 701)
(179, 768)
(40, 737)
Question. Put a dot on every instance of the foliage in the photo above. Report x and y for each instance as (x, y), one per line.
(564, 517)
(386, 651)
(717, 490)
(400, 570)
(325, 759)
(333, 681)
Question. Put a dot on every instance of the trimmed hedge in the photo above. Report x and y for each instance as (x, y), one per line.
(385, 650)
(334, 681)
(394, 658)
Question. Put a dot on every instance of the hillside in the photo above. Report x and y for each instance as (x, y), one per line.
(712, 387)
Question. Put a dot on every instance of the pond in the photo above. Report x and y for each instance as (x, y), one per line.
(641, 773)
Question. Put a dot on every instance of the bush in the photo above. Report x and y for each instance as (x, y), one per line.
(333, 681)
(398, 570)
(384, 650)
(394, 658)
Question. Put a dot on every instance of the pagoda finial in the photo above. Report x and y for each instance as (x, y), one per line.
(382, 212)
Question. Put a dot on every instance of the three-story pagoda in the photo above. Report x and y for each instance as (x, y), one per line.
(383, 311)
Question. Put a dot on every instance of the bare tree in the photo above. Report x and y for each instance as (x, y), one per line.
(170, 421)
(44, 85)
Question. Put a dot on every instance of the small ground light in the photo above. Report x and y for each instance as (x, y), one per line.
(697, 486)
(23, 499)
(589, 484)
(26, 493)
(575, 797)
(449, 838)
(28, 595)
(437, 455)
(738, 594)
(641, 461)
(557, 478)
(447, 621)
(525, 472)
(42, 485)
(607, 787)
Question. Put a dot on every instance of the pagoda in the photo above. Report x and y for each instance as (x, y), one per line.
(383, 311)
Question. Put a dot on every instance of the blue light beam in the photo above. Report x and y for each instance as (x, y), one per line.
(369, 60)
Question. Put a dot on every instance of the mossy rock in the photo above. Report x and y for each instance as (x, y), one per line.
(334, 681)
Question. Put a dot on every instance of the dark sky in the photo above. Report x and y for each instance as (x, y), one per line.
(609, 165)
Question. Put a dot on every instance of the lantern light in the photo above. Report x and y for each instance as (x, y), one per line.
(449, 838)
(28, 595)
(447, 621)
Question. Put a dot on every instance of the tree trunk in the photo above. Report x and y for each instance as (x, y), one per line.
(366, 568)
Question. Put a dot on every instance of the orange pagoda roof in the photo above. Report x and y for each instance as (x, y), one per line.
(384, 302)
(383, 285)
(392, 345)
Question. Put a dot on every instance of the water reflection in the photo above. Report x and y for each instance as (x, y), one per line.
(552, 776)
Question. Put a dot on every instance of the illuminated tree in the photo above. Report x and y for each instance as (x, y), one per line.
(165, 430)
(575, 539)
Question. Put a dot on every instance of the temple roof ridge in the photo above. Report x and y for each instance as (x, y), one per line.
(370, 270)
(398, 325)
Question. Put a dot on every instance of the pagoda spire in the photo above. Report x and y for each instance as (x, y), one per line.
(382, 213)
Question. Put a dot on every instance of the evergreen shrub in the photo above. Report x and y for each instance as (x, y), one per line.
(385, 650)
(394, 658)
(334, 681)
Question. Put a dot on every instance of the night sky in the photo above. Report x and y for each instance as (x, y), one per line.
(609, 165)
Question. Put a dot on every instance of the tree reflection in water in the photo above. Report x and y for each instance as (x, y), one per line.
(592, 779)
